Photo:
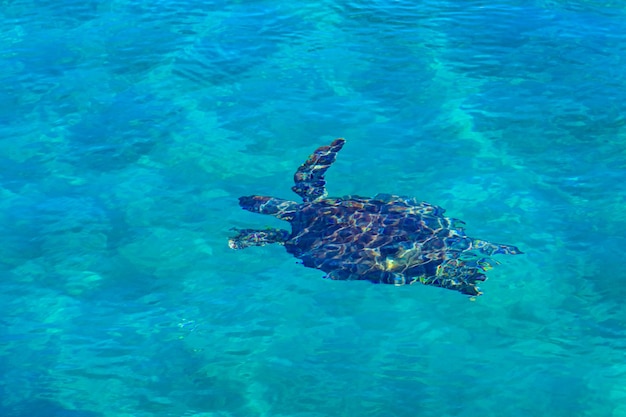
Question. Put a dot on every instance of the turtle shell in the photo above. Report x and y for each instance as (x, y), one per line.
(388, 239)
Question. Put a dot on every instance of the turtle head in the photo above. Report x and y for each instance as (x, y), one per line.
(277, 207)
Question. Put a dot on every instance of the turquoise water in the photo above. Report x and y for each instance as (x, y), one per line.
(128, 130)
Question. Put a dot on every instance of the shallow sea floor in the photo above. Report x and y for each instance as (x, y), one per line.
(128, 130)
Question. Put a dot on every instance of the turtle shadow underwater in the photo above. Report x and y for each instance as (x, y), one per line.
(383, 239)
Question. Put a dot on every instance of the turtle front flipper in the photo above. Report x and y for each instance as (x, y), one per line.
(309, 178)
(250, 237)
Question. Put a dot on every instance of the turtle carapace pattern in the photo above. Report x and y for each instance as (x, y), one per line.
(383, 239)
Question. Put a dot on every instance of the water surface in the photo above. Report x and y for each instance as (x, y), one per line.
(130, 128)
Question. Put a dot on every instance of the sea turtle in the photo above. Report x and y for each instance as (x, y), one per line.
(384, 239)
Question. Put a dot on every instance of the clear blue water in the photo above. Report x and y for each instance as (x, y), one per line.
(128, 130)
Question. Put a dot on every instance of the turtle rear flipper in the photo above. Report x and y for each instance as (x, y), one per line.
(250, 237)
(309, 178)
(489, 248)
